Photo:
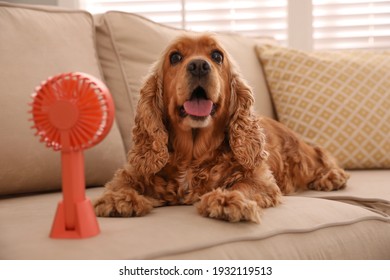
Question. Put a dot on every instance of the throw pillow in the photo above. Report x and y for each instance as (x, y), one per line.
(337, 99)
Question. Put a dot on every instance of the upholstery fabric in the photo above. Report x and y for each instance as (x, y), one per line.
(300, 228)
(339, 100)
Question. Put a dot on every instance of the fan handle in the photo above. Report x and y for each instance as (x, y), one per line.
(75, 217)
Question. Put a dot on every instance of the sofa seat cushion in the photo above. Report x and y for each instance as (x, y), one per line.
(36, 43)
(300, 228)
(366, 188)
(129, 44)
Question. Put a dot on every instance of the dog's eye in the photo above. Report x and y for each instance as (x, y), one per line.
(175, 58)
(217, 56)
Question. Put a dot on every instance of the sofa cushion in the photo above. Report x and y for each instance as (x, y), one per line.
(129, 44)
(37, 43)
(369, 189)
(339, 100)
(300, 228)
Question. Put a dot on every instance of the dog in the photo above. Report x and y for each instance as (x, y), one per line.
(198, 141)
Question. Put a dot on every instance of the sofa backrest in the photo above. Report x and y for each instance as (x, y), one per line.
(35, 43)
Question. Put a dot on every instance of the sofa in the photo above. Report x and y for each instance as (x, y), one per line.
(37, 42)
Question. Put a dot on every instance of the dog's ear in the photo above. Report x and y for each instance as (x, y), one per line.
(149, 153)
(246, 137)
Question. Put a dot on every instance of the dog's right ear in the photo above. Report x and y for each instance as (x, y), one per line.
(149, 153)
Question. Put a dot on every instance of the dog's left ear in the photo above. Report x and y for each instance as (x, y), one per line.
(246, 137)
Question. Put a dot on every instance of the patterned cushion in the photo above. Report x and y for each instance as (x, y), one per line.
(339, 100)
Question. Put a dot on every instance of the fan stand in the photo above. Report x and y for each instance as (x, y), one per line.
(75, 217)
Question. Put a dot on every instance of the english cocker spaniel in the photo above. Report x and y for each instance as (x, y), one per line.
(197, 141)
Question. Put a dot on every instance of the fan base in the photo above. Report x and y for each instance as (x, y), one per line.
(86, 222)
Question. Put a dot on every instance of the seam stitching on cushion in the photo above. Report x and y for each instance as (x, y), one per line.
(319, 227)
(360, 201)
(348, 198)
(96, 55)
(124, 76)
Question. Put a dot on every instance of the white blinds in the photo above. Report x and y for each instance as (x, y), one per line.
(340, 24)
(337, 24)
(251, 18)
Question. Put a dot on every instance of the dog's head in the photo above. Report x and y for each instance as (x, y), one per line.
(194, 85)
(196, 73)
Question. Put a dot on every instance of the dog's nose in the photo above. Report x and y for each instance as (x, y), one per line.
(198, 67)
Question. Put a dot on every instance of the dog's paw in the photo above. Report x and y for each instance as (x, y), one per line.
(231, 206)
(334, 179)
(122, 204)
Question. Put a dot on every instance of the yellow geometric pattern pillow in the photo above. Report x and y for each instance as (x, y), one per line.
(339, 100)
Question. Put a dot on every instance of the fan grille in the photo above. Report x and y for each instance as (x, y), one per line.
(71, 111)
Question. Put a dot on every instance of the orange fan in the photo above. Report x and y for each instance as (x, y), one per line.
(72, 112)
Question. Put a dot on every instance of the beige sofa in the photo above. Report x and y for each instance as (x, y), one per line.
(38, 42)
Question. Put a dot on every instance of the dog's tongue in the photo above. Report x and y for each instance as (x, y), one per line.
(198, 107)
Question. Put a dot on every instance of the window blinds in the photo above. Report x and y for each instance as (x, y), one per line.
(251, 18)
(337, 24)
(347, 24)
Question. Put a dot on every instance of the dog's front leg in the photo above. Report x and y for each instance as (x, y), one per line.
(243, 200)
(122, 198)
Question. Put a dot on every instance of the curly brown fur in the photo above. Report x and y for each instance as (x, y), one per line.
(224, 159)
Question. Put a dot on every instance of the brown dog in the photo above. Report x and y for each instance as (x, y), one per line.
(198, 141)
